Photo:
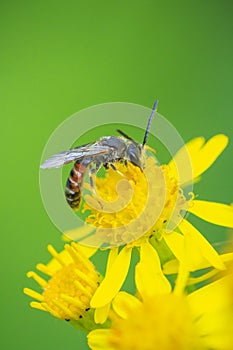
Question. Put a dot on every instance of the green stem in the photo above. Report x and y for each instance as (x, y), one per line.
(162, 249)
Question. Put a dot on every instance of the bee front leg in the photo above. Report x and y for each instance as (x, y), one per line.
(115, 169)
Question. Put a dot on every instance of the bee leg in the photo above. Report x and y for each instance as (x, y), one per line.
(123, 161)
(98, 165)
(115, 169)
(93, 171)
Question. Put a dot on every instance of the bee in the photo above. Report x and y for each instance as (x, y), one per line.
(105, 152)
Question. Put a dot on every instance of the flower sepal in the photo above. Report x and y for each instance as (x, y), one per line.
(87, 323)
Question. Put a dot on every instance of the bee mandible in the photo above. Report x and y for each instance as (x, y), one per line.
(104, 152)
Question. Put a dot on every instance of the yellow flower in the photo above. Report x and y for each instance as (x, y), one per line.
(141, 209)
(133, 204)
(199, 321)
(71, 283)
(165, 320)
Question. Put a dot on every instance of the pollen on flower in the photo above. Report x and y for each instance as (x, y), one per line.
(162, 322)
(70, 287)
(135, 204)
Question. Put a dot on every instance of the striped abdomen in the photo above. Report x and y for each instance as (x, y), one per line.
(74, 183)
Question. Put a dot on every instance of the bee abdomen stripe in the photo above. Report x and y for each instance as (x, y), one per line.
(73, 182)
(69, 190)
(77, 173)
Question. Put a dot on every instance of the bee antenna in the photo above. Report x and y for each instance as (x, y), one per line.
(149, 122)
(125, 135)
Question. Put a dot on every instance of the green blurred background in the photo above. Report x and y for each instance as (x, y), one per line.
(59, 57)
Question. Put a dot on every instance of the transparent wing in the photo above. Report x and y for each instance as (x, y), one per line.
(73, 154)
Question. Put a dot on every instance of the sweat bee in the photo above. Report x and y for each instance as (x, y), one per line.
(104, 152)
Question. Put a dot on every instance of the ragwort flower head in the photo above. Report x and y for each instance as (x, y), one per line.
(166, 319)
(133, 204)
(136, 203)
(71, 283)
(164, 322)
(199, 321)
(150, 209)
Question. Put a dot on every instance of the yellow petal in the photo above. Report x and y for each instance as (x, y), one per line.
(36, 305)
(123, 302)
(194, 254)
(54, 265)
(64, 258)
(98, 339)
(113, 253)
(31, 293)
(186, 249)
(181, 164)
(212, 310)
(86, 251)
(149, 277)
(175, 242)
(217, 290)
(225, 258)
(218, 335)
(178, 245)
(113, 280)
(172, 266)
(198, 244)
(209, 153)
(216, 213)
(79, 233)
(101, 314)
(202, 157)
(182, 277)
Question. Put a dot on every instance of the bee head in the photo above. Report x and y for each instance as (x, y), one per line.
(135, 154)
